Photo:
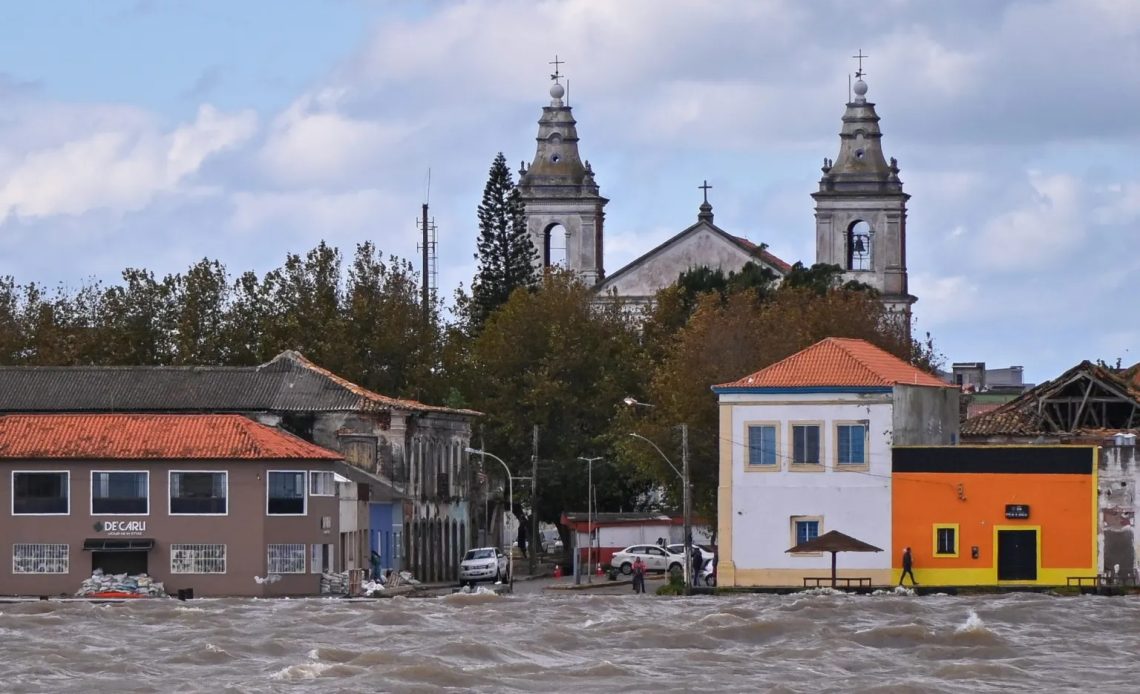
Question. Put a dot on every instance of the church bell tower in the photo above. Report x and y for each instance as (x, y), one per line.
(564, 211)
(860, 208)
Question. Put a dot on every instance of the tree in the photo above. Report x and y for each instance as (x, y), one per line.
(552, 358)
(506, 254)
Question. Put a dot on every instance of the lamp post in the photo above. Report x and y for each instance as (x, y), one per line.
(590, 516)
(510, 502)
(686, 491)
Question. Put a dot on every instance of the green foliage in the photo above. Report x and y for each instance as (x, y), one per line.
(551, 358)
(674, 586)
(507, 257)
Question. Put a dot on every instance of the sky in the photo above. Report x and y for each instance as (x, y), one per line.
(152, 133)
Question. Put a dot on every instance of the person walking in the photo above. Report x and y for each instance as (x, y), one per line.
(907, 568)
(522, 538)
(697, 558)
(638, 575)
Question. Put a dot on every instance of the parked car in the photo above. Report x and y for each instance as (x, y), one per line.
(483, 564)
(655, 558)
(679, 548)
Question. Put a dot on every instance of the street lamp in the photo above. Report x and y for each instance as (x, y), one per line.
(686, 491)
(589, 517)
(510, 502)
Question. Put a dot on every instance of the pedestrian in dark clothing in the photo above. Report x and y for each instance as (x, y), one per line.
(522, 539)
(638, 575)
(697, 557)
(907, 568)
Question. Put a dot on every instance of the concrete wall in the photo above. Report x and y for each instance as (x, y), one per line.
(757, 507)
(1119, 541)
(925, 416)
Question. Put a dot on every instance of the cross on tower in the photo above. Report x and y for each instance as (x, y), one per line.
(859, 73)
(705, 188)
(556, 62)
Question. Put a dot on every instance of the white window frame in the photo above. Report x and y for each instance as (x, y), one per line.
(820, 445)
(317, 552)
(170, 492)
(67, 485)
(332, 483)
(866, 445)
(292, 547)
(91, 493)
(304, 493)
(197, 563)
(66, 558)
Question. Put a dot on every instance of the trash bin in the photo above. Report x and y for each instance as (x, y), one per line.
(355, 579)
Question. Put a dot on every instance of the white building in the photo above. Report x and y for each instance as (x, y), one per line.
(805, 449)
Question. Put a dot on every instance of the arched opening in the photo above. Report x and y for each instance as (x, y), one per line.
(554, 242)
(859, 238)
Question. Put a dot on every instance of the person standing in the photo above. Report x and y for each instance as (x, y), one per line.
(522, 538)
(638, 575)
(907, 568)
(697, 558)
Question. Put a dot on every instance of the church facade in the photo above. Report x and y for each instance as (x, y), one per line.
(860, 212)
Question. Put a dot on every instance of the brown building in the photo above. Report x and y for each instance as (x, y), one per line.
(206, 502)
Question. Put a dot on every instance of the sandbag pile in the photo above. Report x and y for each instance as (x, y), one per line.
(334, 583)
(141, 586)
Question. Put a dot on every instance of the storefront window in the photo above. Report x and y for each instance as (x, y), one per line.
(285, 559)
(120, 493)
(39, 559)
(198, 493)
(286, 493)
(197, 559)
(40, 493)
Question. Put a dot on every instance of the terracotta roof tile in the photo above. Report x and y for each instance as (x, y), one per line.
(767, 257)
(150, 437)
(841, 362)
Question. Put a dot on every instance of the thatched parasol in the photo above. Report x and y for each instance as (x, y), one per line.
(834, 542)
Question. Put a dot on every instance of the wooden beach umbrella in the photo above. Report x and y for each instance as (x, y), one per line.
(834, 542)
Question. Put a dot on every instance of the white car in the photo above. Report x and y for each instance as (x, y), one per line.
(655, 558)
(483, 564)
(679, 549)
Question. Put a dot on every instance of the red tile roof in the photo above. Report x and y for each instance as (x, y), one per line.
(150, 437)
(779, 264)
(838, 361)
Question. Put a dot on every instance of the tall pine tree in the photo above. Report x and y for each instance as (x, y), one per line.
(507, 257)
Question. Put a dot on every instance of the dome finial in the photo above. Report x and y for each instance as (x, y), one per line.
(556, 90)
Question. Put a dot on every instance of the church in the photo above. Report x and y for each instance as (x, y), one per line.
(860, 212)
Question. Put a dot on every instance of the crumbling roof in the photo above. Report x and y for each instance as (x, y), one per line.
(838, 362)
(782, 265)
(1035, 412)
(149, 437)
(287, 383)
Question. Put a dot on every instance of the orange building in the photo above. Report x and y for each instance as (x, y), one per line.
(994, 515)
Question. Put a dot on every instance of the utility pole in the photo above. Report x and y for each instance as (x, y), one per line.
(687, 503)
(533, 555)
(426, 269)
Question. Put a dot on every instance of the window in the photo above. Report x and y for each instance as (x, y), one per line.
(198, 493)
(39, 559)
(946, 540)
(322, 559)
(851, 440)
(322, 484)
(120, 493)
(762, 445)
(805, 444)
(40, 493)
(806, 530)
(285, 559)
(286, 493)
(197, 559)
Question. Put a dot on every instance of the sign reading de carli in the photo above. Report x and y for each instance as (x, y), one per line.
(1017, 510)
(121, 528)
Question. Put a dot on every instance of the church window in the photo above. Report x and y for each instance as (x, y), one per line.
(554, 246)
(859, 246)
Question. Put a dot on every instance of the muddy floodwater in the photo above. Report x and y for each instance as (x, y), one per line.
(554, 642)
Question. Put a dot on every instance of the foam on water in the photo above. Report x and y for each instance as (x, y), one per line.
(973, 624)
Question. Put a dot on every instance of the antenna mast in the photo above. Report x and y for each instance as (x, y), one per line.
(427, 247)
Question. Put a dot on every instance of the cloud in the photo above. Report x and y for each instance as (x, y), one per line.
(120, 168)
(1043, 230)
(348, 214)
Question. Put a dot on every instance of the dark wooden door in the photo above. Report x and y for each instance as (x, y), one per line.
(1017, 555)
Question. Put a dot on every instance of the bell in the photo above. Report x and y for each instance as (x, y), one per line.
(859, 247)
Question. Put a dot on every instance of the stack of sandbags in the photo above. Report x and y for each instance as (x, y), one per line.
(334, 583)
(135, 586)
